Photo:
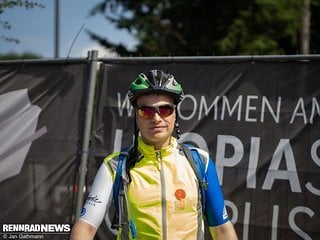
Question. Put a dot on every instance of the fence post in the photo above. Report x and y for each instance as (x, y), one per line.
(93, 60)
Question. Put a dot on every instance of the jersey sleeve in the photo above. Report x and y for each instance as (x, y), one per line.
(95, 207)
(215, 210)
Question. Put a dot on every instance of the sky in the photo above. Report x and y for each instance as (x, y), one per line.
(35, 30)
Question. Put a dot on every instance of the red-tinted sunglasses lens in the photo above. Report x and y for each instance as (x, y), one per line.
(146, 112)
(150, 111)
(165, 110)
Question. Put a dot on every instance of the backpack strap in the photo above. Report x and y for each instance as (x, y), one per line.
(119, 195)
(198, 166)
(117, 185)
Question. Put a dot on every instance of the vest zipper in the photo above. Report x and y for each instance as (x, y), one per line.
(158, 160)
(163, 194)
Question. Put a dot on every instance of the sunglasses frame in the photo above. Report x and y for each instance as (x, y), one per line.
(156, 109)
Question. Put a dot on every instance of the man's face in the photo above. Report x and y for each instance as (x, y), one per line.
(156, 130)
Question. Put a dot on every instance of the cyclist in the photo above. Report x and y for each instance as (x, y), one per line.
(162, 197)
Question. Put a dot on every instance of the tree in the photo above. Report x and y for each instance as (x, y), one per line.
(7, 4)
(266, 27)
(206, 27)
(315, 26)
(305, 28)
(14, 56)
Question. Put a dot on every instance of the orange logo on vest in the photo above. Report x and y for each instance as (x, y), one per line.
(180, 194)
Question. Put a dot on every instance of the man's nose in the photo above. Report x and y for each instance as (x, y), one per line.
(156, 116)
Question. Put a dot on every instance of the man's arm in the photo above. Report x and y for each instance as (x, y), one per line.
(223, 232)
(95, 207)
(82, 231)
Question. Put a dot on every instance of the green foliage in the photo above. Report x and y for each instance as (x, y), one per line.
(206, 27)
(267, 27)
(18, 3)
(14, 56)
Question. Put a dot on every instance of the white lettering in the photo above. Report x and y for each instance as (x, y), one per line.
(246, 221)
(117, 140)
(314, 149)
(124, 105)
(5, 227)
(225, 103)
(283, 149)
(36, 228)
(316, 159)
(204, 107)
(249, 108)
(195, 138)
(276, 116)
(221, 159)
(253, 162)
(59, 228)
(194, 107)
(275, 217)
(315, 106)
(293, 225)
(299, 106)
(234, 209)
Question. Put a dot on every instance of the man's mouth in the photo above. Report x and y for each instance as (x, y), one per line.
(157, 127)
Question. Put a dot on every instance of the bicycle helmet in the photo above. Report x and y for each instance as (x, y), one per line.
(156, 81)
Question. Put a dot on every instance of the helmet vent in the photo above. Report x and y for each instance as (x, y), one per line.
(155, 81)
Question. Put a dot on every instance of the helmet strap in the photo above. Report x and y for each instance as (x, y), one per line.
(134, 153)
(176, 125)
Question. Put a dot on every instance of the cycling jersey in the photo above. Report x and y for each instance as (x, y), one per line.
(163, 198)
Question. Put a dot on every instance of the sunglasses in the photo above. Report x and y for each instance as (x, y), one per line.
(149, 111)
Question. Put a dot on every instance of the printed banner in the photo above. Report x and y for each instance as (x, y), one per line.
(41, 119)
(260, 121)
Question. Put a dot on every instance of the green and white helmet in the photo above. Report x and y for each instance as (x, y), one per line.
(156, 81)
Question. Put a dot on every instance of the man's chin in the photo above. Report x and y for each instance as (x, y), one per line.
(158, 138)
